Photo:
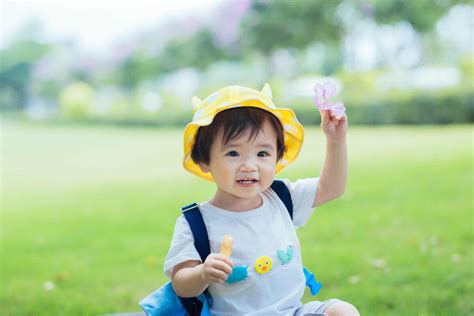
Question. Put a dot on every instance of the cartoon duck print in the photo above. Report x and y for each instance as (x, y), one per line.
(285, 256)
(263, 264)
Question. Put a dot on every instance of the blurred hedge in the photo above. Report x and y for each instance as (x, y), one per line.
(442, 107)
(448, 106)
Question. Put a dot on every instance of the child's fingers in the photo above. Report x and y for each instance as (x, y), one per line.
(220, 257)
(223, 266)
(338, 118)
(221, 262)
(331, 116)
(335, 118)
(216, 270)
(328, 117)
(325, 116)
(218, 276)
(225, 259)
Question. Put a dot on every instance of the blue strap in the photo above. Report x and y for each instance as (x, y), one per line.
(283, 193)
(191, 212)
(198, 228)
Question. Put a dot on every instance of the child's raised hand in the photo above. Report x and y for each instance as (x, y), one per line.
(216, 268)
(333, 117)
(335, 127)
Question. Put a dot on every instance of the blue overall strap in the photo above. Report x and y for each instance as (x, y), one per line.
(193, 305)
(198, 228)
(283, 193)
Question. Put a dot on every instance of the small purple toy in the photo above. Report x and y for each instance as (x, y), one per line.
(321, 99)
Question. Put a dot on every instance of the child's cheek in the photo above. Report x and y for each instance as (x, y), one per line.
(230, 165)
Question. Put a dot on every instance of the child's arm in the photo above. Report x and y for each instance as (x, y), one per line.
(333, 178)
(190, 278)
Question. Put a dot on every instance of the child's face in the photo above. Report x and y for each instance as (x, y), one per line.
(244, 167)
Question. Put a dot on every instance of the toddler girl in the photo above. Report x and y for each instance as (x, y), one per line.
(239, 140)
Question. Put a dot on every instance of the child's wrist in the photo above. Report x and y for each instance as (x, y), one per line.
(335, 141)
(202, 275)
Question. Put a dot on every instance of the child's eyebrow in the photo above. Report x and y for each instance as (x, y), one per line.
(266, 145)
(261, 145)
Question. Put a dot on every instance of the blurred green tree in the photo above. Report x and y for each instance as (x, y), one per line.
(135, 69)
(278, 24)
(421, 14)
(288, 23)
(16, 64)
(197, 51)
(17, 60)
(271, 25)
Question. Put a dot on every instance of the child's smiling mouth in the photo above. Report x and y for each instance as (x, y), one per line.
(247, 181)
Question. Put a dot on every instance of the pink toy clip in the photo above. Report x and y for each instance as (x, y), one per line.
(321, 99)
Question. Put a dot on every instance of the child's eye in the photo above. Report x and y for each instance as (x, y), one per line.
(263, 154)
(232, 153)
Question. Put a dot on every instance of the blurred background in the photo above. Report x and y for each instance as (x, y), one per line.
(394, 62)
(95, 96)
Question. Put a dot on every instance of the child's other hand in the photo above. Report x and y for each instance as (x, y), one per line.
(216, 268)
(334, 127)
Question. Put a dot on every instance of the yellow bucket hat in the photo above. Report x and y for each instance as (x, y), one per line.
(237, 96)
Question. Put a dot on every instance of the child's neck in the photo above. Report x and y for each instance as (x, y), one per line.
(233, 203)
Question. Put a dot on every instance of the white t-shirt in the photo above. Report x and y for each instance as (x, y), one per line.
(256, 233)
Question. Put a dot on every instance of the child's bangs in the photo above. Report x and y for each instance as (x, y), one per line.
(235, 123)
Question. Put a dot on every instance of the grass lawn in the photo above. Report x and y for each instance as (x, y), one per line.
(88, 213)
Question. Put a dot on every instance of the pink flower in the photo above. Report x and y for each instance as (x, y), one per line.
(321, 99)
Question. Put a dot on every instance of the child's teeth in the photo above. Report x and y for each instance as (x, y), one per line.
(246, 181)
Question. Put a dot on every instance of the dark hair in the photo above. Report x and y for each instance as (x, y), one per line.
(235, 122)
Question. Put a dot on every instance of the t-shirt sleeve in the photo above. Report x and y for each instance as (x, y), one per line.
(303, 194)
(182, 246)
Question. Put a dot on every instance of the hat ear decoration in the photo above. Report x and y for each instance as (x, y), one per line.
(267, 90)
(196, 102)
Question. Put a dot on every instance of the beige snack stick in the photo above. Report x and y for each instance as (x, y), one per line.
(226, 245)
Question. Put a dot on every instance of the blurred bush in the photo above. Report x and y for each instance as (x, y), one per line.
(76, 100)
(447, 106)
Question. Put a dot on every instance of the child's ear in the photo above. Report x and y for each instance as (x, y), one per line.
(204, 168)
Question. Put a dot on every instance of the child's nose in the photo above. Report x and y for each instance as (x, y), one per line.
(248, 165)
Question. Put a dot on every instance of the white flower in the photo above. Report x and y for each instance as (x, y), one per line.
(378, 263)
(354, 279)
(455, 257)
(49, 286)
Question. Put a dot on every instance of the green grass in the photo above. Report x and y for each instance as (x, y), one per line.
(92, 209)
